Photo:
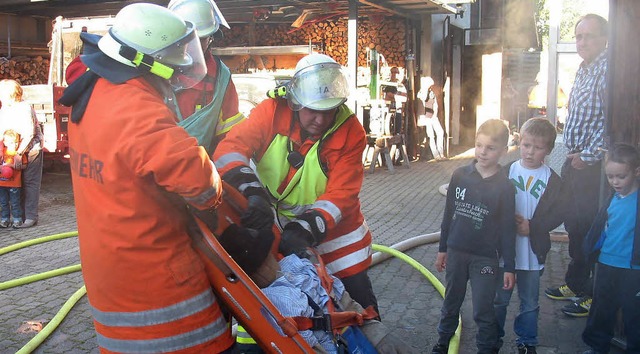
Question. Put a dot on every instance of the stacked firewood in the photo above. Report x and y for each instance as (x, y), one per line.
(387, 35)
(25, 70)
(330, 36)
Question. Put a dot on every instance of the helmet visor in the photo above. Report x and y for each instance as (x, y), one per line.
(218, 15)
(320, 87)
(185, 56)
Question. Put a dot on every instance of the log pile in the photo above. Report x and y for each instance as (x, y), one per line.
(387, 35)
(25, 70)
(329, 36)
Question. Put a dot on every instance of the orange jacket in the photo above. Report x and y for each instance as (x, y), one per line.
(16, 180)
(347, 248)
(145, 283)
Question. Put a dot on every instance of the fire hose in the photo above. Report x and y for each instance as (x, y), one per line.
(382, 253)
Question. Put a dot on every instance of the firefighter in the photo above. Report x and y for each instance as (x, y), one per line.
(146, 285)
(214, 97)
(307, 148)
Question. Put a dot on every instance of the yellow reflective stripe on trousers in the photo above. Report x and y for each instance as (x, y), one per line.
(167, 344)
(243, 337)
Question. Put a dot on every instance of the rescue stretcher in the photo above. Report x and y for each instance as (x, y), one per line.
(245, 301)
(241, 296)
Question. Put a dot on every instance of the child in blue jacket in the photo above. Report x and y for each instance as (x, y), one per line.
(614, 239)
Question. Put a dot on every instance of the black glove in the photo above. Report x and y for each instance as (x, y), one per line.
(307, 230)
(258, 215)
(245, 180)
(295, 240)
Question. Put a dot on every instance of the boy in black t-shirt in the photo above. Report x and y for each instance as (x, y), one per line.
(478, 227)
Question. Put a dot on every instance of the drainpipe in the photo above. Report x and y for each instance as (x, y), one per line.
(8, 37)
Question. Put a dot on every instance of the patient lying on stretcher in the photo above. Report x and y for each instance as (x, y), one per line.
(294, 286)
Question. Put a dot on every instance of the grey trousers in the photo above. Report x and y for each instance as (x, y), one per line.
(482, 272)
(31, 181)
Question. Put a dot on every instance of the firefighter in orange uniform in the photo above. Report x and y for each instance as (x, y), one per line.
(308, 148)
(214, 97)
(146, 285)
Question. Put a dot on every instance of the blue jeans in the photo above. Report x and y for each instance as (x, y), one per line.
(525, 325)
(10, 203)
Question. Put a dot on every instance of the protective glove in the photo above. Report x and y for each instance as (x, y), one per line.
(245, 180)
(307, 230)
(295, 240)
(259, 214)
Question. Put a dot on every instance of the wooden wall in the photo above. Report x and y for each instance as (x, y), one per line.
(27, 35)
(624, 71)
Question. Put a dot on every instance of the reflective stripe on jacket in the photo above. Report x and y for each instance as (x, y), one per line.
(309, 181)
(146, 285)
(217, 84)
(346, 250)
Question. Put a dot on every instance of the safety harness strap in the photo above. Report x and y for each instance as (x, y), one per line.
(333, 321)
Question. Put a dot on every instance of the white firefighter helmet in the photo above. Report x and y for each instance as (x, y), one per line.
(204, 14)
(163, 36)
(319, 83)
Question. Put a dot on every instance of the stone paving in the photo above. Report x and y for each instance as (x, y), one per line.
(397, 206)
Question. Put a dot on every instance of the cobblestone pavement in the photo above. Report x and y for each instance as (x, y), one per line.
(397, 206)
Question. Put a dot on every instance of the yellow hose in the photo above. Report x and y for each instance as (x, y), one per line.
(36, 241)
(33, 278)
(454, 344)
(57, 319)
(45, 275)
(62, 313)
(55, 322)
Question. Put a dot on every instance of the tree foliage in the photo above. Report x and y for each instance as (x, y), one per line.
(542, 22)
(571, 11)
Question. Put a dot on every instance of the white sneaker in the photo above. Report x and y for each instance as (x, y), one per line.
(27, 223)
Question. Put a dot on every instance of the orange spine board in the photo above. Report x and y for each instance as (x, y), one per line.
(233, 287)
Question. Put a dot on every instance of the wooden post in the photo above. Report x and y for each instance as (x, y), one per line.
(623, 107)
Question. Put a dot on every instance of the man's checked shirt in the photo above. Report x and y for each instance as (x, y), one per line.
(585, 128)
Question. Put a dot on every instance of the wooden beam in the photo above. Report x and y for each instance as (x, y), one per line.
(623, 110)
(385, 7)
